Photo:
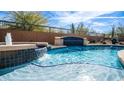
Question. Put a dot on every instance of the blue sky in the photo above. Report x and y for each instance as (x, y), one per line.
(100, 21)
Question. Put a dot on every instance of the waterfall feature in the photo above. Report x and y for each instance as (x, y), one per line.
(8, 39)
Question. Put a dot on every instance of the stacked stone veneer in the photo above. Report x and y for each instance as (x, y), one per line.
(17, 57)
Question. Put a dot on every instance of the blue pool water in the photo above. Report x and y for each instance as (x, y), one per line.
(105, 56)
(71, 63)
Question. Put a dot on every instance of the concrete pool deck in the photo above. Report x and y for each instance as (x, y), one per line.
(21, 45)
(121, 56)
(43, 43)
(53, 46)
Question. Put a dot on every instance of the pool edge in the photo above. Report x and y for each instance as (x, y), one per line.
(121, 56)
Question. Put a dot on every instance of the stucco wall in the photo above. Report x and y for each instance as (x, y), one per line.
(26, 36)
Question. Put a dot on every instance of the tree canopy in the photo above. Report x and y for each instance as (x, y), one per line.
(26, 20)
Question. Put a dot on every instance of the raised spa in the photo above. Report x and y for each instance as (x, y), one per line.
(17, 54)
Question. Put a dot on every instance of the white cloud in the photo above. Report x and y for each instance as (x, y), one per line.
(76, 17)
(2, 18)
(99, 24)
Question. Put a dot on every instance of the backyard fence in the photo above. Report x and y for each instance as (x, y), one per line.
(26, 36)
(32, 36)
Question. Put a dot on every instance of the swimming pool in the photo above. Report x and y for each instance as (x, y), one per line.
(96, 55)
(72, 63)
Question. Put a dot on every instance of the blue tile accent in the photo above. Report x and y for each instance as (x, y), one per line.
(14, 58)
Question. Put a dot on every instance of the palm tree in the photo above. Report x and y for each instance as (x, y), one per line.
(28, 21)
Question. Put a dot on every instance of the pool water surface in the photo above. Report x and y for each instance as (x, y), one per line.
(106, 56)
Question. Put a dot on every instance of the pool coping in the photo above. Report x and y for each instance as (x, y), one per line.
(107, 45)
(17, 47)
